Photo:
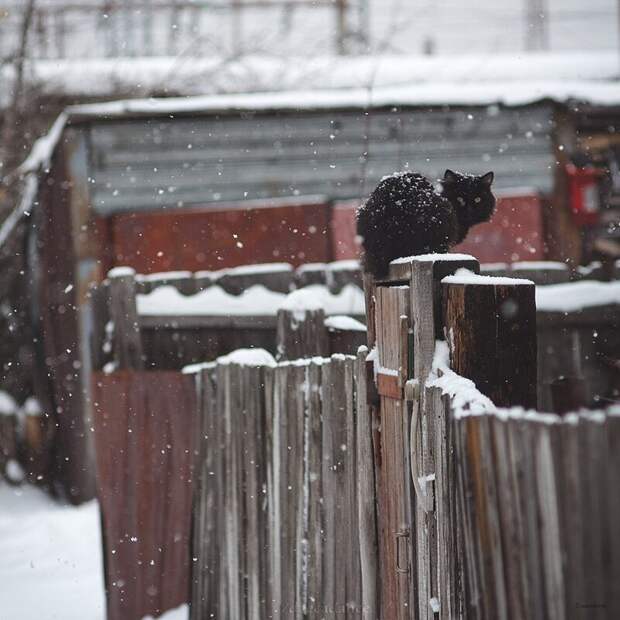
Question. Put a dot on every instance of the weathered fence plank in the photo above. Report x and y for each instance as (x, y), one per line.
(144, 429)
(491, 327)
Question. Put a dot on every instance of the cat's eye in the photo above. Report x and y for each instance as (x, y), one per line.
(477, 199)
(461, 200)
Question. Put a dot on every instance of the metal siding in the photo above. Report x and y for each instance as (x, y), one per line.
(155, 163)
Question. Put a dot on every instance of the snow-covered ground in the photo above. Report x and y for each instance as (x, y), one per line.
(51, 560)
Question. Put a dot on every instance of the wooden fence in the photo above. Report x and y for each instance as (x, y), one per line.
(383, 485)
(122, 337)
(284, 506)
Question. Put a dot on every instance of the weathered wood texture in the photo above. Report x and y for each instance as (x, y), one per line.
(301, 334)
(127, 343)
(144, 431)
(491, 331)
(284, 523)
(8, 439)
(539, 514)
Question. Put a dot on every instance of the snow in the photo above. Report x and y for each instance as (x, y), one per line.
(50, 558)
(344, 323)
(250, 270)
(213, 301)
(43, 149)
(545, 264)
(344, 265)
(254, 301)
(467, 78)
(31, 407)
(431, 258)
(248, 357)
(311, 267)
(464, 276)
(8, 406)
(574, 296)
(121, 272)
(301, 301)
(179, 613)
(164, 275)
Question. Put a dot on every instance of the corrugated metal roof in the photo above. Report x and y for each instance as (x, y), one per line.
(162, 162)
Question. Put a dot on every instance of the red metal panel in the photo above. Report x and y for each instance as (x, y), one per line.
(515, 233)
(144, 429)
(344, 233)
(213, 239)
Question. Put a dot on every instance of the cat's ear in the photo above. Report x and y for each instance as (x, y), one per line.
(487, 178)
(450, 177)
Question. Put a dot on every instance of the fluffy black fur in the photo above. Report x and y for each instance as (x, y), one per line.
(404, 216)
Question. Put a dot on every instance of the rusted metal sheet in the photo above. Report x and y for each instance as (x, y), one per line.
(144, 423)
(515, 232)
(213, 239)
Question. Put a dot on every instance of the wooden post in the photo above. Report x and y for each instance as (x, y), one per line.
(568, 394)
(8, 443)
(301, 334)
(424, 275)
(491, 329)
(127, 347)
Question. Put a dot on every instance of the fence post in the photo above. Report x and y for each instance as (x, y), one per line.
(127, 344)
(301, 334)
(8, 443)
(491, 329)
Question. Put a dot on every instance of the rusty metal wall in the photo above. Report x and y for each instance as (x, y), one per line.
(144, 428)
(167, 162)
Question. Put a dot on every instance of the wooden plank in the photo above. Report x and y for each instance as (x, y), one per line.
(594, 463)
(301, 334)
(313, 480)
(127, 345)
(389, 385)
(351, 521)
(329, 463)
(145, 488)
(548, 493)
(511, 518)
(613, 511)
(492, 337)
(366, 494)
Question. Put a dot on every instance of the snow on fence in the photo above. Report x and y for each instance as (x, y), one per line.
(171, 325)
(381, 485)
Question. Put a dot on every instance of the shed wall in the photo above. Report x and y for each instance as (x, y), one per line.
(139, 164)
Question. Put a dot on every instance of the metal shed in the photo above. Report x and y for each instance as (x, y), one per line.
(105, 166)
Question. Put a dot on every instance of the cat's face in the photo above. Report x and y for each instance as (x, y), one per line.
(470, 194)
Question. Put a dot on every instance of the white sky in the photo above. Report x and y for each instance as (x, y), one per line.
(491, 25)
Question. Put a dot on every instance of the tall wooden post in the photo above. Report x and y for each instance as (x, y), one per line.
(301, 334)
(491, 329)
(127, 347)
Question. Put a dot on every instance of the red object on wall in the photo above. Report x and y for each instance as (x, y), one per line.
(515, 232)
(585, 200)
(226, 236)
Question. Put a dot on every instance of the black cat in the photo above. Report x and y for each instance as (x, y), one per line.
(404, 216)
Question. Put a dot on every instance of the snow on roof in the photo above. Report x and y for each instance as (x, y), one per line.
(262, 73)
(574, 296)
(254, 301)
(508, 93)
